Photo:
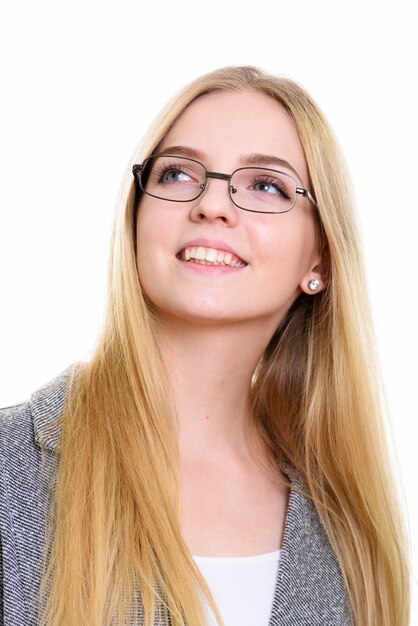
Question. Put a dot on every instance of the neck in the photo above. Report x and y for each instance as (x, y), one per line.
(210, 370)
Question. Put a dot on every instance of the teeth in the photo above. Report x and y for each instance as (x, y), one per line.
(210, 256)
(200, 253)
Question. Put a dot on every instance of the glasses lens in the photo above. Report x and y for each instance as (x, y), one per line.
(263, 190)
(173, 178)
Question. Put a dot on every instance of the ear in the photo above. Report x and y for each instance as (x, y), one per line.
(314, 281)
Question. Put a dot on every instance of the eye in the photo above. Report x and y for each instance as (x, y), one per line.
(270, 185)
(171, 175)
(167, 172)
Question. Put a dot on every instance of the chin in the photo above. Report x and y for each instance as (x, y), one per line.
(195, 316)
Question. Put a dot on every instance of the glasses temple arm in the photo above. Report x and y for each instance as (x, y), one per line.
(307, 194)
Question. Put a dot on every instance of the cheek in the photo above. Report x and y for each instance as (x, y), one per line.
(155, 230)
(289, 244)
(145, 223)
(151, 227)
(156, 223)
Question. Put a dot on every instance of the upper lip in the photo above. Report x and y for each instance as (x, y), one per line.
(218, 244)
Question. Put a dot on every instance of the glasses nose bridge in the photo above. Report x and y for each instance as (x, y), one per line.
(219, 176)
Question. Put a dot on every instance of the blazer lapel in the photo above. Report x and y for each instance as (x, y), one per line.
(309, 587)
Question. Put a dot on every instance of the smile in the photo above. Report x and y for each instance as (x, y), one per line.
(210, 256)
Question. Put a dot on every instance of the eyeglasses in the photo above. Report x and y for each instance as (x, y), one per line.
(255, 189)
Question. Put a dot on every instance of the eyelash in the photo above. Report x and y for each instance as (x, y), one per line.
(271, 181)
(163, 169)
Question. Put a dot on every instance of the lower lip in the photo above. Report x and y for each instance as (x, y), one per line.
(212, 270)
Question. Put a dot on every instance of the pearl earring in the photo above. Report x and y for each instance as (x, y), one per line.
(313, 284)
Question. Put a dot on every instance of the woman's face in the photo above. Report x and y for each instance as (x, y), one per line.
(221, 130)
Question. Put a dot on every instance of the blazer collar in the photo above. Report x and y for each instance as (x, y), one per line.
(47, 405)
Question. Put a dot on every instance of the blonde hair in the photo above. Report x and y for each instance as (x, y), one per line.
(315, 399)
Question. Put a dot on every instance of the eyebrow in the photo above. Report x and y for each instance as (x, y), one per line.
(247, 159)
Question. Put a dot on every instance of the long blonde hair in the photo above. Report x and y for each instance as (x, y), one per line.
(315, 397)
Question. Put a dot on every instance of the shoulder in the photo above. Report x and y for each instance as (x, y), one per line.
(29, 434)
(36, 421)
(28, 461)
(15, 426)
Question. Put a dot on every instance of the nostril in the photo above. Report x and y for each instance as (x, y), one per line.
(202, 217)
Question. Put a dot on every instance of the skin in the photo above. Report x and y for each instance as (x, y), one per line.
(215, 326)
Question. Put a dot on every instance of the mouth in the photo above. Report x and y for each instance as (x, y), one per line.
(210, 256)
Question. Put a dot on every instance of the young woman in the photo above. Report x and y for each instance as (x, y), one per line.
(222, 456)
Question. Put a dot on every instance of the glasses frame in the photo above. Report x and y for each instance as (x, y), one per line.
(138, 169)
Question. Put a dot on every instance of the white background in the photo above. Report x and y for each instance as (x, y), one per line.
(80, 83)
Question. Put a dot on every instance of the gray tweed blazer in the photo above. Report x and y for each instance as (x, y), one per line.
(309, 588)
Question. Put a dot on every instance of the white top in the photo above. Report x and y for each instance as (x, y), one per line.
(242, 587)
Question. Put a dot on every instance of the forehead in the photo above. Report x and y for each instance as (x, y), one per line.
(226, 125)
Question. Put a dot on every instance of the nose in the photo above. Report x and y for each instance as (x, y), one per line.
(215, 204)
